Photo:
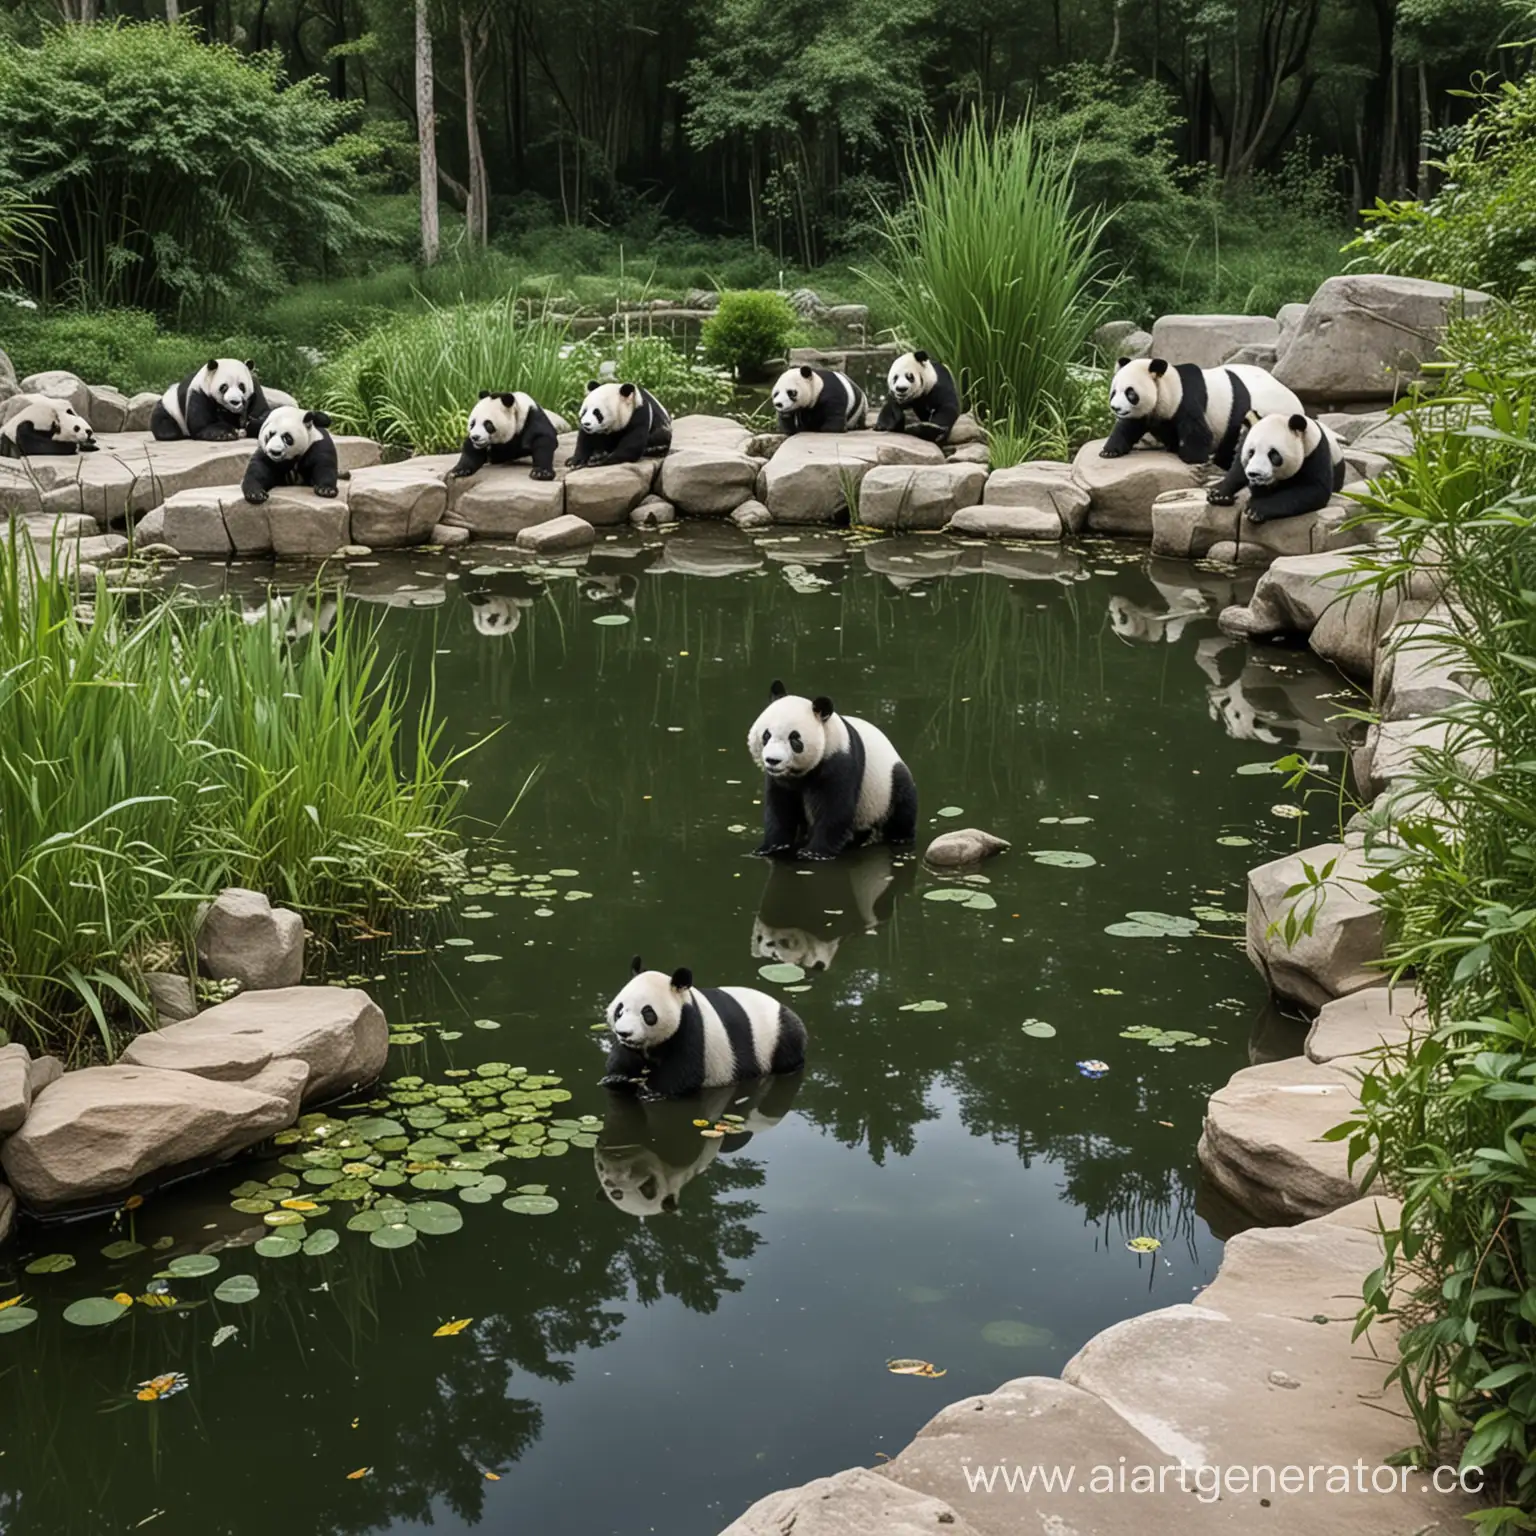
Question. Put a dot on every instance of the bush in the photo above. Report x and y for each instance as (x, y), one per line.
(747, 330)
(676, 379)
(175, 174)
(991, 268)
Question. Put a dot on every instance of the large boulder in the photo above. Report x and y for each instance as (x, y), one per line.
(107, 410)
(970, 845)
(557, 536)
(1365, 1023)
(1185, 526)
(1121, 491)
(1295, 592)
(503, 499)
(858, 1502)
(993, 522)
(308, 527)
(1041, 485)
(811, 477)
(56, 384)
(1421, 671)
(15, 1086)
(904, 497)
(141, 408)
(1367, 336)
(605, 494)
(395, 505)
(1393, 748)
(215, 522)
(708, 481)
(243, 937)
(1208, 341)
(339, 1035)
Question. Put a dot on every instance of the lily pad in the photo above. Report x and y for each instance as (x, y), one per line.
(406, 1037)
(124, 1248)
(321, 1242)
(927, 1005)
(51, 1264)
(950, 810)
(237, 1290)
(1038, 1029)
(1007, 1333)
(1235, 842)
(14, 1319)
(1255, 768)
(611, 619)
(396, 1235)
(365, 1221)
(1063, 858)
(780, 974)
(479, 959)
(531, 1205)
(94, 1311)
(979, 901)
(434, 1218)
(246, 1207)
(277, 1246)
(192, 1265)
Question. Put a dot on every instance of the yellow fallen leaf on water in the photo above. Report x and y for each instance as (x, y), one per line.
(701, 1122)
(156, 1387)
(133, 1202)
(163, 1299)
(352, 1477)
(449, 1330)
(356, 1170)
(1144, 1244)
(490, 1477)
(11, 1301)
(123, 1299)
(296, 1204)
(913, 1368)
(355, 1423)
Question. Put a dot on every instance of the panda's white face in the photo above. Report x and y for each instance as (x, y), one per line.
(911, 377)
(496, 419)
(1134, 388)
(797, 389)
(608, 407)
(73, 428)
(228, 382)
(288, 433)
(649, 1010)
(792, 946)
(1274, 448)
(639, 1183)
(789, 738)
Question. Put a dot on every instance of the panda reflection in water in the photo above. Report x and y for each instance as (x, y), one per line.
(805, 915)
(499, 600)
(648, 1150)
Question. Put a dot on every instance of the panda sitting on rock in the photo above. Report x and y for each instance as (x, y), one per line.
(504, 428)
(620, 424)
(1288, 464)
(818, 400)
(926, 389)
(46, 427)
(293, 448)
(217, 403)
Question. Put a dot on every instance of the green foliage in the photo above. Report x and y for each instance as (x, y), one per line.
(152, 753)
(747, 330)
(175, 174)
(674, 376)
(991, 268)
(22, 233)
(1480, 228)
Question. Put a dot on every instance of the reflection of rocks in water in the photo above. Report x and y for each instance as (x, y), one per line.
(1275, 1035)
(708, 549)
(499, 598)
(295, 615)
(905, 562)
(806, 913)
(1184, 593)
(398, 581)
(647, 1152)
(803, 546)
(1280, 702)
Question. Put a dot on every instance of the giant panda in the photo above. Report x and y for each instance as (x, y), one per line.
(671, 1039)
(818, 400)
(620, 424)
(504, 428)
(293, 449)
(805, 915)
(1197, 413)
(927, 389)
(649, 1149)
(1287, 464)
(829, 781)
(218, 402)
(46, 426)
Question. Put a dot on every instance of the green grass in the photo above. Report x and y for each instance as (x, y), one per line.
(152, 752)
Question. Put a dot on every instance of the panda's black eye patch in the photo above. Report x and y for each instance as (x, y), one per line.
(618, 1008)
(767, 737)
(796, 744)
(288, 438)
(1274, 458)
(1132, 396)
(648, 1014)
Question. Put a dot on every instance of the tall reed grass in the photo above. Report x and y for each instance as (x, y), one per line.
(989, 267)
(152, 752)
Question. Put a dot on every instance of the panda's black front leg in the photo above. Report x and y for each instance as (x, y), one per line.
(832, 802)
(471, 461)
(626, 1067)
(783, 818)
(589, 450)
(1293, 499)
(320, 468)
(205, 423)
(1127, 432)
(262, 476)
(1224, 492)
(542, 448)
(892, 418)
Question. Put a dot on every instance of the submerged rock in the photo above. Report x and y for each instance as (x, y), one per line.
(967, 846)
(243, 937)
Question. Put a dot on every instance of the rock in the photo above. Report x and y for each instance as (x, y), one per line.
(242, 936)
(305, 526)
(150, 530)
(605, 494)
(173, 996)
(1362, 1023)
(338, 1034)
(1185, 526)
(986, 522)
(192, 522)
(56, 384)
(807, 303)
(1261, 1144)
(966, 430)
(751, 514)
(502, 500)
(43, 1072)
(719, 434)
(557, 535)
(1367, 336)
(395, 505)
(1107, 337)
(1385, 436)
(1121, 491)
(1346, 935)
(950, 850)
(847, 317)
(809, 479)
(103, 1131)
(1253, 357)
(1295, 592)
(859, 1502)
(7, 1210)
(355, 551)
(971, 453)
(7, 371)
(1041, 485)
(15, 1086)
(708, 482)
(1137, 344)
(1208, 341)
(764, 445)
(701, 298)
(447, 536)
(107, 410)
(1421, 671)
(217, 521)
(1392, 747)
(904, 497)
(1288, 317)
(653, 512)
(140, 408)
(1364, 466)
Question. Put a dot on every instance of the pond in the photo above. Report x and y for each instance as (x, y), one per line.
(946, 1183)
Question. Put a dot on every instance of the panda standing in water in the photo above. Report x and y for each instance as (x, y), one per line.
(1288, 465)
(620, 424)
(219, 402)
(504, 428)
(927, 389)
(818, 400)
(829, 781)
(1197, 413)
(671, 1039)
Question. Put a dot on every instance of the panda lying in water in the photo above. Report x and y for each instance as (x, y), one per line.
(1288, 465)
(672, 1038)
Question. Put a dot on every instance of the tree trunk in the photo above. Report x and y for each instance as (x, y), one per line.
(477, 217)
(426, 133)
(172, 11)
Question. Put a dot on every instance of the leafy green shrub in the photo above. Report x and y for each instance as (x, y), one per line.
(746, 330)
(992, 268)
(175, 174)
(681, 383)
(151, 755)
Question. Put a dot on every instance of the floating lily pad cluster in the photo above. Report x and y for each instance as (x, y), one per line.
(1154, 925)
(1163, 1039)
(965, 893)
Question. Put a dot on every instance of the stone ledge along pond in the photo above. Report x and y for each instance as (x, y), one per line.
(945, 1184)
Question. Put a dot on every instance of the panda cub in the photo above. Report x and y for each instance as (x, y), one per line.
(620, 424)
(220, 401)
(829, 781)
(46, 426)
(504, 428)
(1197, 413)
(293, 449)
(1288, 465)
(671, 1038)
(818, 400)
(927, 389)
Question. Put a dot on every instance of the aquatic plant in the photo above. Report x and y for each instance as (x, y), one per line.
(152, 751)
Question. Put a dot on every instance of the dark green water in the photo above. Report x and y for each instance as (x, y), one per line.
(938, 1173)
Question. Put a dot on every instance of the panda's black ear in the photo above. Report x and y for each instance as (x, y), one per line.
(1298, 423)
(636, 966)
(211, 366)
(316, 419)
(626, 390)
(807, 372)
(1158, 366)
(250, 363)
(485, 394)
(509, 400)
(592, 384)
(682, 979)
(822, 707)
(1124, 362)
(1251, 419)
(919, 357)
(776, 689)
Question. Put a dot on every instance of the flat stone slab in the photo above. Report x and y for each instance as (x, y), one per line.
(918, 497)
(713, 434)
(216, 522)
(993, 522)
(1121, 491)
(501, 500)
(1366, 1022)
(1185, 526)
(337, 1033)
(809, 479)
(1041, 485)
(1261, 1145)
(605, 494)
